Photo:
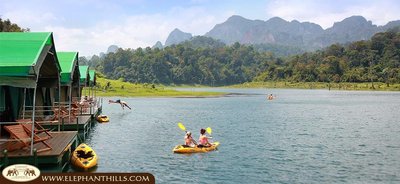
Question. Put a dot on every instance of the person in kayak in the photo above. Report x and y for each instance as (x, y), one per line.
(122, 103)
(203, 140)
(189, 141)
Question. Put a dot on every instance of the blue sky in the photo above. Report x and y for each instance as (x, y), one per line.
(90, 26)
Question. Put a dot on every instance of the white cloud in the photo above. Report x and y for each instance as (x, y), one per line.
(30, 18)
(132, 31)
(380, 12)
(96, 25)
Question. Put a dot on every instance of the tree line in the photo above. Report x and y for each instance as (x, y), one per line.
(8, 26)
(216, 64)
(185, 64)
(375, 60)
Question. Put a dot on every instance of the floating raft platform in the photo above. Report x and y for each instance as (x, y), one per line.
(62, 143)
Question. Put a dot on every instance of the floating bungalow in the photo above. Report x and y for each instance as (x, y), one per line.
(84, 80)
(92, 91)
(92, 82)
(76, 113)
(39, 91)
(70, 77)
(29, 79)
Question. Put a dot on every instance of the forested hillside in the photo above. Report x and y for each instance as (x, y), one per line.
(214, 63)
(186, 64)
(376, 60)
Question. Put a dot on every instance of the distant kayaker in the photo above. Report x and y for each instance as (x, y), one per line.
(203, 140)
(189, 141)
(122, 103)
(270, 97)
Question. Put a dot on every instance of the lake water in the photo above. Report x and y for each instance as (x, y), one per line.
(303, 136)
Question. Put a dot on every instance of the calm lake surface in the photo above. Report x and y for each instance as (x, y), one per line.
(303, 136)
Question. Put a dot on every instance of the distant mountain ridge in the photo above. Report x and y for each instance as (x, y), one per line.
(177, 36)
(306, 35)
(158, 45)
(112, 48)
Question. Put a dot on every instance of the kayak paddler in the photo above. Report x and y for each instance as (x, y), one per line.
(203, 139)
(189, 141)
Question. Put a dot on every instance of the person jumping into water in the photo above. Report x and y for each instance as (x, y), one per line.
(122, 103)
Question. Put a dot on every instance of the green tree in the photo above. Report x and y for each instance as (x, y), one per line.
(8, 26)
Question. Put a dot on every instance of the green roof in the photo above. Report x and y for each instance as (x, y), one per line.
(68, 61)
(21, 52)
(92, 74)
(84, 71)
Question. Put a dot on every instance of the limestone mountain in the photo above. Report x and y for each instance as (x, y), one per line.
(177, 36)
(277, 31)
(158, 45)
(348, 30)
(390, 25)
(112, 48)
(234, 30)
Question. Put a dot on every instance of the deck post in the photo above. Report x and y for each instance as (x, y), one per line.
(77, 124)
(84, 133)
(70, 100)
(59, 105)
(23, 107)
(62, 124)
(5, 158)
(85, 127)
(33, 115)
(91, 107)
(35, 158)
(92, 120)
(58, 126)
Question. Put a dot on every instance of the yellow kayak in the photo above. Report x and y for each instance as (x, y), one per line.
(84, 157)
(186, 149)
(102, 118)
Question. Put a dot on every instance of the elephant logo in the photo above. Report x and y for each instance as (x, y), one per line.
(21, 172)
(12, 172)
(29, 172)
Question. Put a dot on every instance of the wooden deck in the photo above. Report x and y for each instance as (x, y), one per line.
(60, 142)
(81, 123)
(63, 143)
(77, 123)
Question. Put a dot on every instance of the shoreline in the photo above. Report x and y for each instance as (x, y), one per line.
(377, 86)
(166, 94)
(189, 96)
(126, 89)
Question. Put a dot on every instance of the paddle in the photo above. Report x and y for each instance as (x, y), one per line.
(180, 125)
(209, 130)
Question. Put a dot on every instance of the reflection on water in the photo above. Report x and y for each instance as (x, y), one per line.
(303, 136)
